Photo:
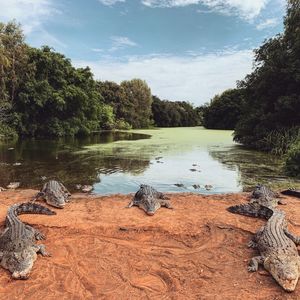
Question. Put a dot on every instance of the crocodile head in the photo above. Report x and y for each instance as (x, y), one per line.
(55, 198)
(150, 205)
(285, 270)
(19, 263)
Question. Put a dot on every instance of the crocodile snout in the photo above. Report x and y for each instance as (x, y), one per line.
(150, 213)
(23, 275)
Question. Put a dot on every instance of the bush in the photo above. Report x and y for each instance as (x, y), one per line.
(7, 132)
(122, 125)
(280, 141)
(292, 162)
(224, 110)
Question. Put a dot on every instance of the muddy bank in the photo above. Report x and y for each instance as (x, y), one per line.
(101, 250)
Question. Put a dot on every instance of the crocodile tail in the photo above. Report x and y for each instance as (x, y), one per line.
(32, 208)
(16, 226)
(252, 210)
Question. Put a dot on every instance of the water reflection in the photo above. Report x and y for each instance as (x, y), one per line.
(253, 167)
(29, 160)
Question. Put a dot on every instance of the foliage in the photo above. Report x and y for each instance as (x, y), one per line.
(122, 124)
(224, 110)
(278, 142)
(131, 102)
(136, 108)
(272, 90)
(13, 62)
(292, 161)
(114, 95)
(43, 95)
(107, 117)
(7, 132)
(174, 114)
(57, 99)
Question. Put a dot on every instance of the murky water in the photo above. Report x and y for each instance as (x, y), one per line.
(170, 159)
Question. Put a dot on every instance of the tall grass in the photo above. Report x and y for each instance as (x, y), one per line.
(278, 142)
(292, 160)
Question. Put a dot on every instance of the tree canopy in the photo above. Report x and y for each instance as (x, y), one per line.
(174, 113)
(224, 111)
(272, 90)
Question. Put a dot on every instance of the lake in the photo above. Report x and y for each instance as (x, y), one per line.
(170, 159)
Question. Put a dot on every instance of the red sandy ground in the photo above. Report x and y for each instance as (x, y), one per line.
(101, 250)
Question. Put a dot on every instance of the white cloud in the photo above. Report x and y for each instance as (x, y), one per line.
(189, 78)
(30, 13)
(247, 9)
(97, 50)
(121, 42)
(268, 23)
(110, 2)
(169, 3)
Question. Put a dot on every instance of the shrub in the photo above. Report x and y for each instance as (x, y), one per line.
(7, 132)
(280, 141)
(292, 161)
(122, 124)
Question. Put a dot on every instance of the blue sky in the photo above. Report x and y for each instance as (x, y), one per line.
(185, 49)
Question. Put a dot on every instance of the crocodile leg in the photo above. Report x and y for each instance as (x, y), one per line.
(37, 196)
(294, 238)
(36, 233)
(163, 197)
(254, 262)
(42, 250)
(282, 202)
(67, 199)
(131, 203)
(166, 203)
(252, 244)
(64, 189)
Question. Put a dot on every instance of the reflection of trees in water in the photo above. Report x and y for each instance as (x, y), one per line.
(253, 166)
(54, 159)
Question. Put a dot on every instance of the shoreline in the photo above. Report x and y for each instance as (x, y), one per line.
(101, 250)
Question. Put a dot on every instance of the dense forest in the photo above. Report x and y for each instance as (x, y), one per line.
(42, 95)
(174, 114)
(223, 111)
(264, 110)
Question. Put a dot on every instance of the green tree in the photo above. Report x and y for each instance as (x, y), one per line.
(13, 63)
(58, 99)
(136, 107)
(272, 90)
(114, 95)
(224, 110)
(13, 59)
(174, 113)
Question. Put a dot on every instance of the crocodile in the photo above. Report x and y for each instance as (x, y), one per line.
(291, 192)
(149, 199)
(261, 196)
(18, 250)
(278, 249)
(266, 197)
(54, 193)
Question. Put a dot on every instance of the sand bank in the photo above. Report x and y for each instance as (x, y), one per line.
(101, 250)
